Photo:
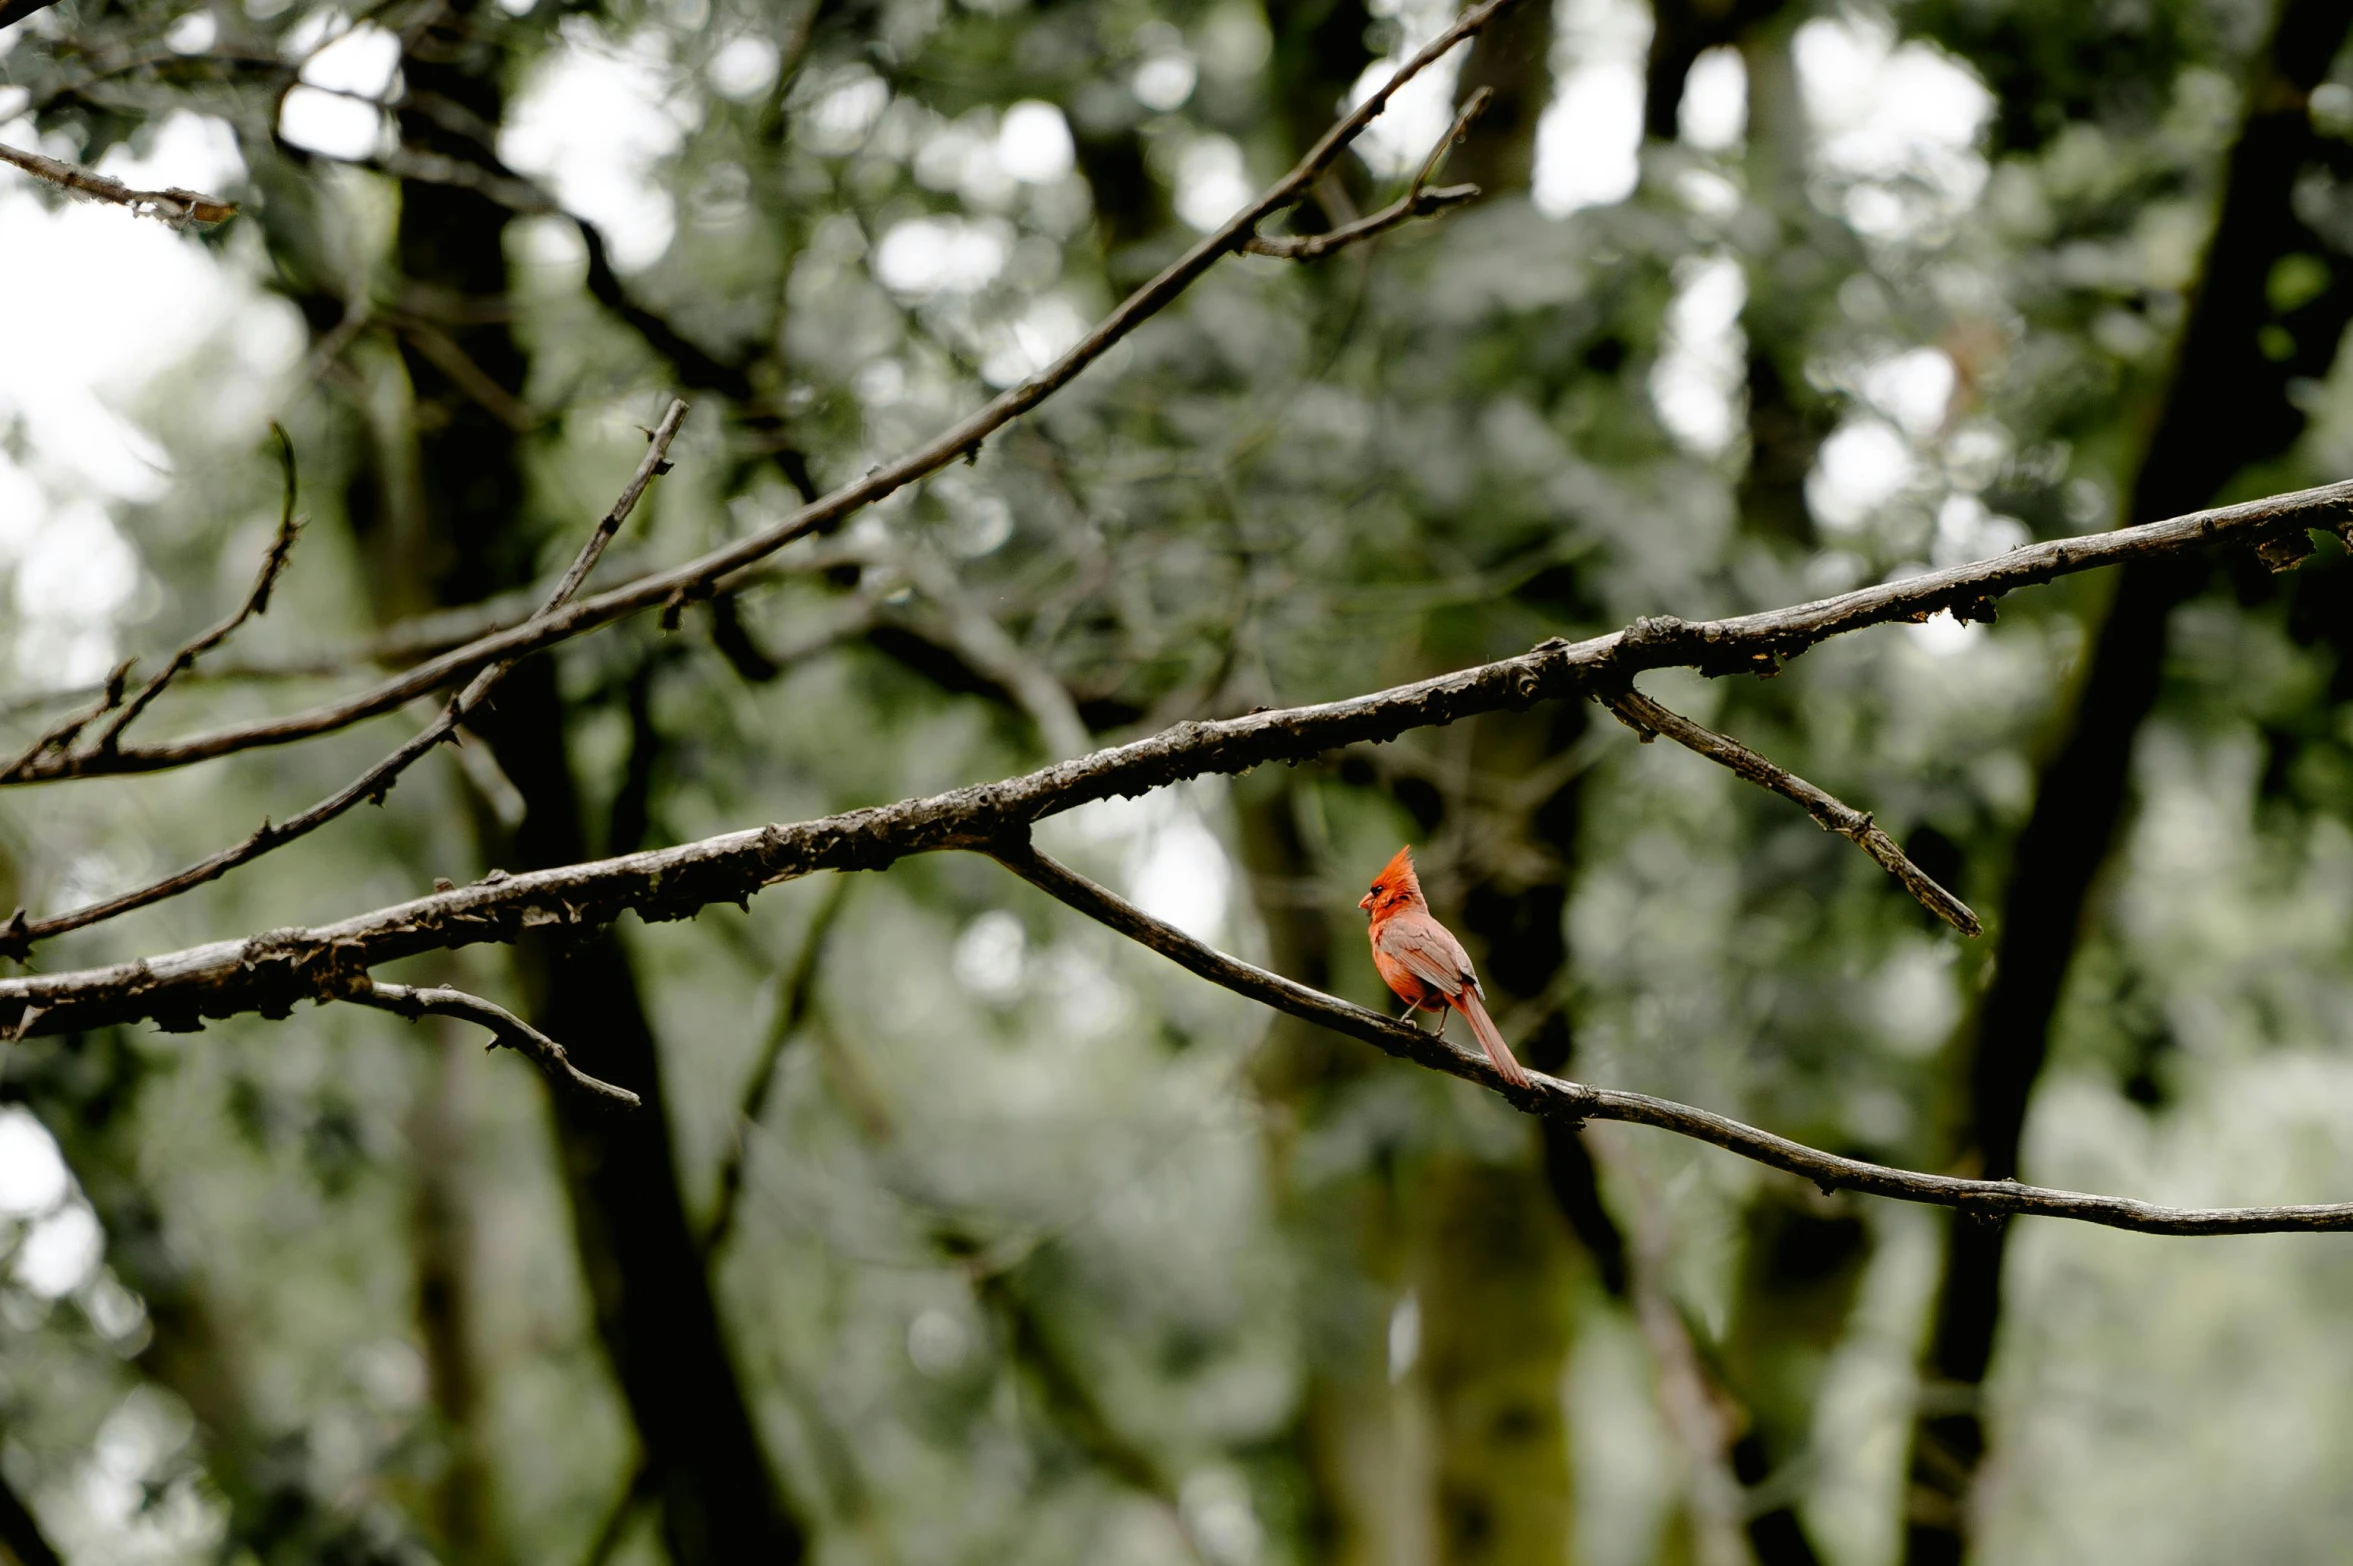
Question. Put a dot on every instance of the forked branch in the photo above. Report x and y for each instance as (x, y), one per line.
(1750, 643)
(59, 737)
(699, 578)
(271, 971)
(257, 603)
(1419, 200)
(412, 1002)
(18, 936)
(1578, 1101)
(1649, 720)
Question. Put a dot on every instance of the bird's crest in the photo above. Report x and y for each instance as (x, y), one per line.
(1397, 882)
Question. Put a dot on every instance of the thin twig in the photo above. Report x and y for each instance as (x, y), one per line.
(17, 938)
(988, 647)
(1649, 720)
(178, 207)
(60, 736)
(257, 603)
(412, 1002)
(437, 631)
(656, 463)
(1419, 200)
(698, 578)
(443, 353)
(1314, 247)
(794, 999)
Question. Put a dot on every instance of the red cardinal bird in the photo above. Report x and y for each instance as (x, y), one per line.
(1425, 964)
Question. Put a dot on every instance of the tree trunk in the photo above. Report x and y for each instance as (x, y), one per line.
(448, 1287)
(645, 1275)
(1511, 58)
(1788, 287)
(1681, 31)
(2227, 407)
(645, 1271)
(1799, 1267)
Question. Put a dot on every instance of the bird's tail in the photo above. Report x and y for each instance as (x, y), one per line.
(1490, 1038)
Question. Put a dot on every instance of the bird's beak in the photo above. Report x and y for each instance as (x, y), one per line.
(1365, 902)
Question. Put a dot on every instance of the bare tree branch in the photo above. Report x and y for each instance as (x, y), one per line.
(505, 1027)
(991, 649)
(1753, 643)
(700, 577)
(443, 352)
(1649, 720)
(273, 970)
(59, 737)
(655, 463)
(437, 631)
(269, 973)
(795, 996)
(1419, 200)
(1577, 1101)
(175, 206)
(18, 936)
(257, 602)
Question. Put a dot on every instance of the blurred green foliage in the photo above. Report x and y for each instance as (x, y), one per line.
(1014, 1243)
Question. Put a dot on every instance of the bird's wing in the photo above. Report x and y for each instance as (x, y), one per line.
(1425, 951)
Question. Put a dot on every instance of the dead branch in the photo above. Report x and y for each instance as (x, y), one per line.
(699, 578)
(412, 1002)
(18, 936)
(180, 208)
(1649, 720)
(1577, 1101)
(1419, 200)
(60, 736)
(257, 603)
(274, 970)
(1753, 643)
(269, 973)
